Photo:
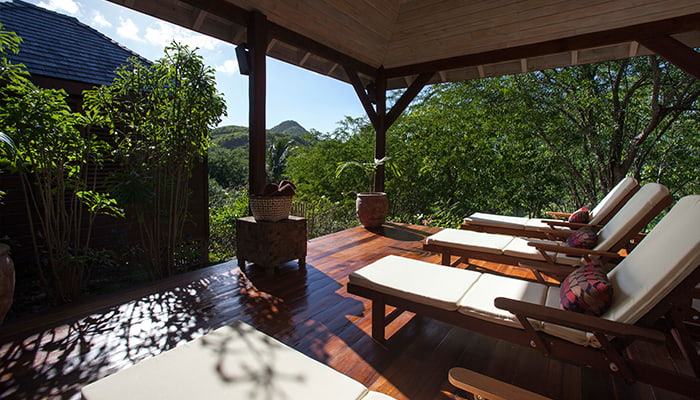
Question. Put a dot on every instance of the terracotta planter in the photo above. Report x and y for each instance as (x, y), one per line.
(7, 280)
(372, 208)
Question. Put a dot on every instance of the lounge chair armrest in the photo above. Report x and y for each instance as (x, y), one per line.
(576, 251)
(557, 214)
(583, 322)
(557, 269)
(570, 225)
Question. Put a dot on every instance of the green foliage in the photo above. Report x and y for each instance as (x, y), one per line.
(324, 216)
(230, 137)
(602, 122)
(369, 169)
(313, 167)
(225, 207)
(521, 145)
(229, 168)
(56, 163)
(160, 117)
(277, 154)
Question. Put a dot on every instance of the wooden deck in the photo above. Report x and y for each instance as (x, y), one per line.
(54, 355)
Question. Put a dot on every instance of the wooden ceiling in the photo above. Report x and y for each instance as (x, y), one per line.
(454, 39)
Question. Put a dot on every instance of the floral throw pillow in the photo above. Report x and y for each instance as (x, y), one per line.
(579, 216)
(585, 237)
(586, 290)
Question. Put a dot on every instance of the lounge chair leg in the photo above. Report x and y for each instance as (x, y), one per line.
(684, 340)
(446, 258)
(379, 320)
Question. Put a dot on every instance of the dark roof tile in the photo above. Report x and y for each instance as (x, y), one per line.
(58, 46)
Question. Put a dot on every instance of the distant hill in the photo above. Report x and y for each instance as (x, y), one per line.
(291, 128)
(232, 136)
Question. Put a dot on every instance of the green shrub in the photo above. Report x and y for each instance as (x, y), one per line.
(225, 207)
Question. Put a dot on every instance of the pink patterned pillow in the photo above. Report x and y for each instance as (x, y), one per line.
(586, 290)
(579, 216)
(585, 237)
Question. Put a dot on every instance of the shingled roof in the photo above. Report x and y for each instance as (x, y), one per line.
(59, 46)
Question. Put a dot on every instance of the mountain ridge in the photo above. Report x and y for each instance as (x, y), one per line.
(233, 136)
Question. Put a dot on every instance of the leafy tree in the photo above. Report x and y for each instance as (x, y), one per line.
(229, 168)
(460, 153)
(555, 139)
(606, 121)
(56, 160)
(160, 117)
(313, 167)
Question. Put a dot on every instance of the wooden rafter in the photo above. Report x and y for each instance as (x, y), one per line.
(585, 41)
(676, 52)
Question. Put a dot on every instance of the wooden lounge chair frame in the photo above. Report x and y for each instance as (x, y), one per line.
(558, 229)
(549, 267)
(611, 357)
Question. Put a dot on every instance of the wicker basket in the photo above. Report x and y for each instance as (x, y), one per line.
(270, 208)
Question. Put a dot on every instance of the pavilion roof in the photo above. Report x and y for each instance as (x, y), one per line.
(455, 40)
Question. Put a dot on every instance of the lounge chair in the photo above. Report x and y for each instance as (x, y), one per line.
(615, 235)
(553, 228)
(232, 362)
(652, 286)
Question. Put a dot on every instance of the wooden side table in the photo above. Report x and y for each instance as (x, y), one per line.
(270, 244)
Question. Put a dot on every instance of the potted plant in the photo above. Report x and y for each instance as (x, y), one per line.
(275, 203)
(371, 207)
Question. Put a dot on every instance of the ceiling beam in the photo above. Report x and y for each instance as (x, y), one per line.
(302, 42)
(221, 9)
(240, 16)
(676, 52)
(578, 42)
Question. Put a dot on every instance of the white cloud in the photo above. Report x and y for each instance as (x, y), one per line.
(99, 20)
(229, 67)
(68, 6)
(163, 34)
(128, 29)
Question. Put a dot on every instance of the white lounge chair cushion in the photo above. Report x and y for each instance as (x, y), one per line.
(612, 199)
(538, 224)
(232, 362)
(505, 221)
(648, 197)
(572, 335)
(430, 284)
(478, 301)
(519, 248)
(666, 256)
(470, 240)
(492, 243)
(497, 220)
(601, 210)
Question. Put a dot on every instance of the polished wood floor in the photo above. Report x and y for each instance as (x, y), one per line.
(54, 355)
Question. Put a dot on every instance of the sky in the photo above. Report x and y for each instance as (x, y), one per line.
(313, 100)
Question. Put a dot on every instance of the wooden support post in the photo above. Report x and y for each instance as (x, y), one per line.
(380, 129)
(380, 118)
(257, 44)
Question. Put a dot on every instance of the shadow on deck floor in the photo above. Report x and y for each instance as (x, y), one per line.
(53, 355)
